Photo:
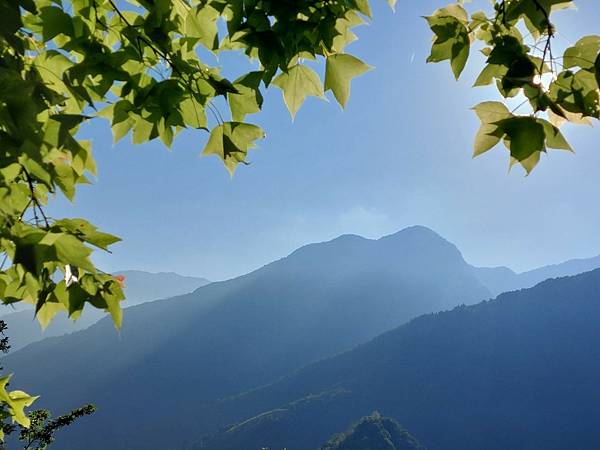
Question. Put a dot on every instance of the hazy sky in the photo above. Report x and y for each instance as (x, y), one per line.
(399, 155)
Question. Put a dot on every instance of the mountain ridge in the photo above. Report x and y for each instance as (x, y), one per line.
(503, 279)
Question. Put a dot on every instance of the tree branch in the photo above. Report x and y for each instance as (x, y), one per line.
(34, 199)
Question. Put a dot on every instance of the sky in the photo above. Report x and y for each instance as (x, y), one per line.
(398, 155)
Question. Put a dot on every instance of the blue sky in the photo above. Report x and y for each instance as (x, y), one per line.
(399, 155)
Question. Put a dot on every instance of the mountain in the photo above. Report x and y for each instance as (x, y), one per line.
(519, 372)
(140, 287)
(571, 267)
(173, 358)
(503, 279)
(374, 432)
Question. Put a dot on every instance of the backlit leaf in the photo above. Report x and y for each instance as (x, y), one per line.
(249, 99)
(231, 141)
(451, 43)
(297, 83)
(340, 69)
(488, 135)
(583, 54)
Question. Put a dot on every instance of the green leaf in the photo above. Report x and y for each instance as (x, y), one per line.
(554, 138)
(297, 83)
(16, 401)
(28, 250)
(113, 295)
(249, 99)
(142, 130)
(488, 135)
(46, 312)
(193, 113)
(165, 132)
(490, 112)
(69, 250)
(506, 50)
(118, 115)
(201, 23)
(576, 92)
(54, 21)
(597, 70)
(521, 72)
(231, 141)
(583, 54)
(364, 8)
(454, 10)
(451, 43)
(340, 69)
(85, 231)
(36, 170)
(525, 134)
(10, 18)
(528, 163)
(535, 13)
(72, 297)
(344, 34)
(121, 129)
(489, 73)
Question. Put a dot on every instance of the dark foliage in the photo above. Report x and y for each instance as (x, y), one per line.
(374, 432)
(43, 428)
(41, 432)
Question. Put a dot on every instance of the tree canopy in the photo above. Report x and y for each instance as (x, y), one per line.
(148, 68)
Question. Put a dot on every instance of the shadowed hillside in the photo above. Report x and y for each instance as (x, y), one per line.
(522, 370)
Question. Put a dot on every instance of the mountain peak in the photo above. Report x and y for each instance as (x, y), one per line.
(424, 244)
(415, 231)
(332, 247)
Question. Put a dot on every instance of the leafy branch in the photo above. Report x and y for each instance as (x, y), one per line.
(571, 95)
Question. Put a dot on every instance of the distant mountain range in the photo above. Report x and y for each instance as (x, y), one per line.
(140, 287)
(175, 361)
(519, 372)
(503, 279)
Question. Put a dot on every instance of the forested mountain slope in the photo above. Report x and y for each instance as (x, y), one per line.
(519, 372)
